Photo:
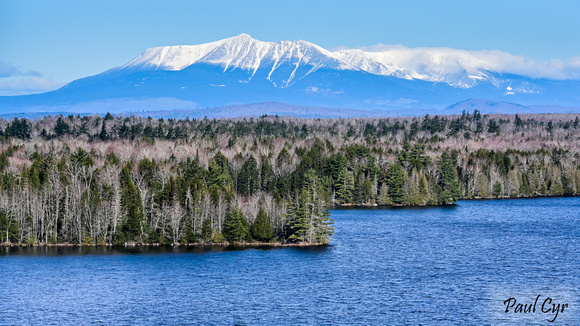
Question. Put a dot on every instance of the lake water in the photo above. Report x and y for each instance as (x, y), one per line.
(433, 266)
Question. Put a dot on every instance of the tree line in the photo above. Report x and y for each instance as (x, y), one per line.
(115, 180)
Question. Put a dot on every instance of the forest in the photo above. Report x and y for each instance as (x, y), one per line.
(115, 180)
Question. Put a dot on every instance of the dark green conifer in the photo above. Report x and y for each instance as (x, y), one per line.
(236, 227)
(206, 230)
(345, 187)
(262, 228)
(396, 183)
(448, 180)
(308, 218)
(248, 179)
(61, 127)
(133, 207)
(497, 189)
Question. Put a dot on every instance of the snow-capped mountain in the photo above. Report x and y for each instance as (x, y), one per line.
(457, 68)
(244, 53)
(241, 70)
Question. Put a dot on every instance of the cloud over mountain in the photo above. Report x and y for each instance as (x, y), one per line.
(446, 60)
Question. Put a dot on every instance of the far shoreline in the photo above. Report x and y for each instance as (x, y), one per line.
(376, 206)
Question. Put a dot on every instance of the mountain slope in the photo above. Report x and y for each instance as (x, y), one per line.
(241, 70)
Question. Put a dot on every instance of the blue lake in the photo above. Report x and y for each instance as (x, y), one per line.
(433, 266)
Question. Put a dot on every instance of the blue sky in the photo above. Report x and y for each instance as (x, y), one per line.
(44, 44)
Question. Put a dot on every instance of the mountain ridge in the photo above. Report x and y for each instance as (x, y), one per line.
(240, 71)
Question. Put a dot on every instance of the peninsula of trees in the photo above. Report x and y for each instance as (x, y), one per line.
(96, 180)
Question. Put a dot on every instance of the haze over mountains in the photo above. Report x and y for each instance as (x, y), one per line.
(232, 77)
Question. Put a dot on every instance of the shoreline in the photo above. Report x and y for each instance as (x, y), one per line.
(195, 244)
(262, 244)
(368, 205)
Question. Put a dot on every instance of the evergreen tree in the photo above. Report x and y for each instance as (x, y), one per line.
(337, 163)
(8, 229)
(550, 126)
(308, 218)
(262, 228)
(345, 187)
(266, 175)
(497, 189)
(18, 129)
(206, 230)
(448, 180)
(492, 127)
(283, 157)
(81, 158)
(384, 198)
(236, 227)
(518, 121)
(366, 191)
(61, 127)
(396, 182)
(248, 179)
(103, 134)
(215, 174)
(133, 207)
(358, 187)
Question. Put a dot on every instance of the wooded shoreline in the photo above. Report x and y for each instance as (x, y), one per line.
(249, 244)
(225, 244)
(96, 180)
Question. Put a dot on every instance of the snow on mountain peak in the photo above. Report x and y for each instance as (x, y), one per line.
(455, 67)
(458, 68)
(242, 51)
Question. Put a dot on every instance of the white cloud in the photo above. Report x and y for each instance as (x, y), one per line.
(23, 85)
(448, 61)
(15, 81)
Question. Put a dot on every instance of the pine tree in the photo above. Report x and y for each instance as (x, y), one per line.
(283, 157)
(236, 227)
(61, 127)
(448, 180)
(396, 183)
(206, 230)
(550, 126)
(308, 218)
(131, 201)
(345, 187)
(384, 198)
(497, 189)
(518, 121)
(18, 129)
(262, 228)
(215, 174)
(248, 179)
(266, 175)
(103, 134)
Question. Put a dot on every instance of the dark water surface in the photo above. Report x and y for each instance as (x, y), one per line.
(432, 266)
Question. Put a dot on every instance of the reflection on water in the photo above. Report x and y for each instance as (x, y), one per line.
(110, 250)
